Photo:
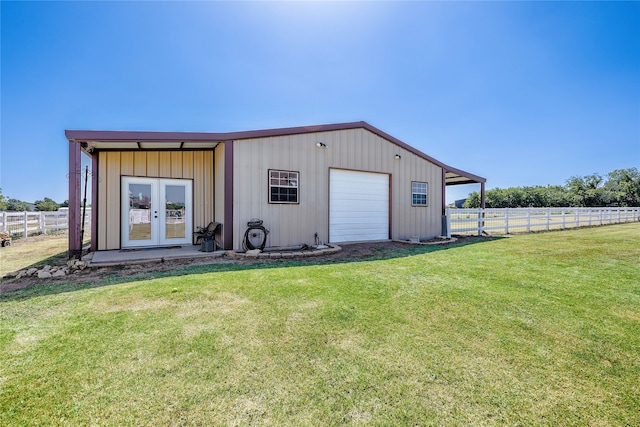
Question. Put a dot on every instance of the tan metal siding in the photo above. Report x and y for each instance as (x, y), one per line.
(176, 164)
(139, 164)
(187, 165)
(102, 202)
(198, 190)
(113, 200)
(197, 165)
(218, 185)
(355, 149)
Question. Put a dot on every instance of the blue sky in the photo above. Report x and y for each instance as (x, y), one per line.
(522, 93)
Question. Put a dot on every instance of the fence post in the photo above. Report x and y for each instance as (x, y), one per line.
(528, 220)
(564, 223)
(43, 225)
(548, 217)
(26, 224)
(506, 221)
(480, 222)
(448, 223)
(4, 221)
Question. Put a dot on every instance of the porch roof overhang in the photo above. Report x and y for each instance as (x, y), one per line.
(91, 140)
(459, 177)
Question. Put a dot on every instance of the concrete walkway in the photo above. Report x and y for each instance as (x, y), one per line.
(145, 255)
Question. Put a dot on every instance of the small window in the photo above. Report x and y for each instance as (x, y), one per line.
(419, 193)
(283, 186)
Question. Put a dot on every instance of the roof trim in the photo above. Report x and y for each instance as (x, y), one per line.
(80, 136)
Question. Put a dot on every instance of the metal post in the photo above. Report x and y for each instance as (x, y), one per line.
(84, 206)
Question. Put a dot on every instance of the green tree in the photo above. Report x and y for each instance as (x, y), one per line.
(473, 201)
(46, 205)
(624, 186)
(3, 202)
(15, 205)
(588, 191)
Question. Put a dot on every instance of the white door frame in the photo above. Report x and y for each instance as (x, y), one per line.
(157, 215)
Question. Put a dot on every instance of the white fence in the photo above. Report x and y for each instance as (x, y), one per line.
(525, 220)
(21, 224)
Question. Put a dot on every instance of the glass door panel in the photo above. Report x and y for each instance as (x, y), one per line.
(175, 212)
(175, 218)
(139, 211)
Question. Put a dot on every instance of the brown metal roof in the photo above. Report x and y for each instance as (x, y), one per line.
(135, 140)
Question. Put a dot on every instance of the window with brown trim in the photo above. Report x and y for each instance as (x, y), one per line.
(283, 186)
(419, 193)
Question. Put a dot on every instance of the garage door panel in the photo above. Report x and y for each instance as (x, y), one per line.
(359, 206)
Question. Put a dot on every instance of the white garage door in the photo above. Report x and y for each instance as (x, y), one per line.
(358, 206)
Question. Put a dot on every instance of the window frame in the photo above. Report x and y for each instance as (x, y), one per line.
(415, 193)
(270, 186)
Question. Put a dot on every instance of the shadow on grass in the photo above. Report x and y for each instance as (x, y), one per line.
(377, 253)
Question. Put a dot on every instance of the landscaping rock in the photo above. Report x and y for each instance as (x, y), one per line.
(44, 274)
(76, 264)
(59, 273)
(31, 271)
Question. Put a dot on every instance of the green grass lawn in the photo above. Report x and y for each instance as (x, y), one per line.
(21, 253)
(538, 329)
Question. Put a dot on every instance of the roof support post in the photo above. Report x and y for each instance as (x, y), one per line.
(444, 230)
(227, 228)
(75, 179)
(444, 191)
(482, 195)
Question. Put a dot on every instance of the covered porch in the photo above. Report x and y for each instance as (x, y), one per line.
(452, 176)
(196, 165)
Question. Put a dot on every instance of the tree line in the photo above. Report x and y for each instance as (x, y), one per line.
(44, 205)
(620, 188)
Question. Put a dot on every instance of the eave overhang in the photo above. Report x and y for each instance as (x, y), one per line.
(96, 140)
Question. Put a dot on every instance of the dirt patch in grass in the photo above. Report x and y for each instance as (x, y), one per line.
(349, 253)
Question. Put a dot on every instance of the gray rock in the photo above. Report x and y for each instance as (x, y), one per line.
(44, 274)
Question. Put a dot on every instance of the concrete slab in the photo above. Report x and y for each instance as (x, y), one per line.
(145, 255)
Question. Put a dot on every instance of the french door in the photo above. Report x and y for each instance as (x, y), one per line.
(156, 211)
